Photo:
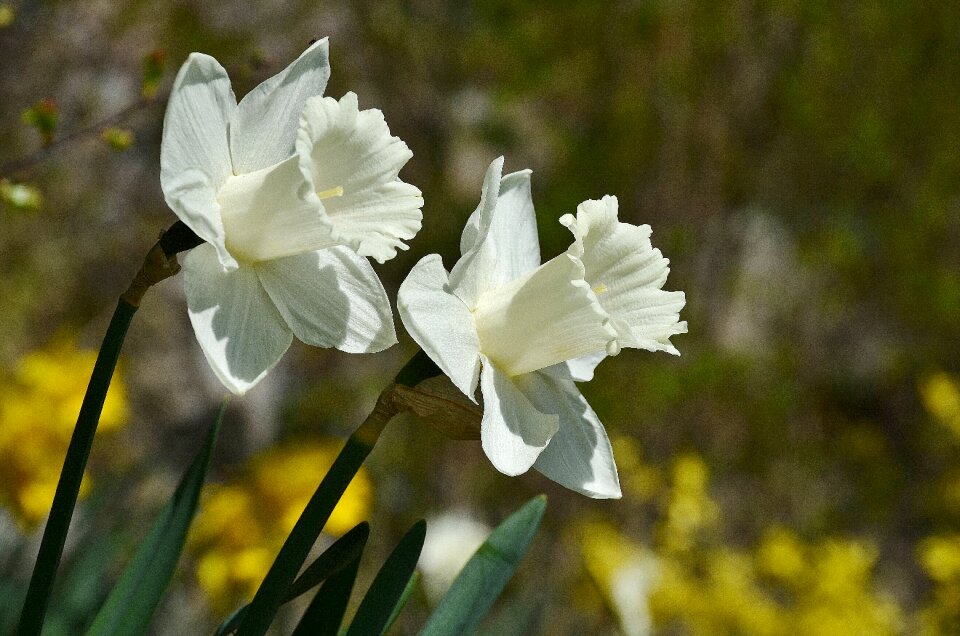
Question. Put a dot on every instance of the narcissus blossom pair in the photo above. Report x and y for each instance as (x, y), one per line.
(291, 192)
(526, 332)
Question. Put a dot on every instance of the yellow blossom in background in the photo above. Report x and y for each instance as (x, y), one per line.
(638, 479)
(624, 572)
(940, 393)
(39, 403)
(838, 598)
(940, 558)
(242, 524)
(781, 555)
(688, 581)
(689, 508)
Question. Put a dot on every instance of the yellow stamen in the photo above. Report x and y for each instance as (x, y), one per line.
(332, 192)
(599, 288)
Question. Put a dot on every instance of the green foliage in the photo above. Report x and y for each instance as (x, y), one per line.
(325, 612)
(345, 551)
(136, 595)
(485, 575)
(383, 600)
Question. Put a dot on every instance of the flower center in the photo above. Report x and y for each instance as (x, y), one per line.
(264, 216)
(543, 318)
(332, 192)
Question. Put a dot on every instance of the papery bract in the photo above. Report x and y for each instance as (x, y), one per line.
(291, 191)
(526, 332)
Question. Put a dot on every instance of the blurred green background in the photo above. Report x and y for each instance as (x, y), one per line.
(796, 470)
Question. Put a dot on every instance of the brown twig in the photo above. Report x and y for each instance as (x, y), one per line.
(23, 163)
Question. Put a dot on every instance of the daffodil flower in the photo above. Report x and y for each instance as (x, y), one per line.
(291, 192)
(526, 332)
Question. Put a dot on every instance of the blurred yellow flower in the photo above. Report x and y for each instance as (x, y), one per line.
(781, 555)
(39, 402)
(689, 507)
(623, 571)
(940, 393)
(642, 481)
(940, 557)
(690, 582)
(242, 524)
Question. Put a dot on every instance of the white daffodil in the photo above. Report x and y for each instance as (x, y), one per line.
(526, 332)
(290, 191)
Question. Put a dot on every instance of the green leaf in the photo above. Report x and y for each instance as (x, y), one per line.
(136, 595)
(482, 579)
(345, 550)
(386, 592)
(326, 610)
(295, 549)
(65, 499)
(411, 585)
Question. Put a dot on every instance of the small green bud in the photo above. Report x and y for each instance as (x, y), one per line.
(43, 116)
(154, 66)
(118, 138)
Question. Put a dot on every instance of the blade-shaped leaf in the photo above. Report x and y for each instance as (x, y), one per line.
(385, 593)
(484, 576)
(411, 585)
(134, 598)
(325, 612)
(340, 554)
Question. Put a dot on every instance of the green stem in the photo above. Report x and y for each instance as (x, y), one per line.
(294, 552)
(160, 263)
(55, 532)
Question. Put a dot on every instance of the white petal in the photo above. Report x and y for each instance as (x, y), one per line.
(192, 196)
(194, 152)
(479, 222)
(499, 243)
(240, 331)
(544, 318)
(265, 217)
(440, 323)
(331, 298)
(579, 456)
(353, 162)
(628, 275)
(513, 431)
(581, 369)
(264, 126)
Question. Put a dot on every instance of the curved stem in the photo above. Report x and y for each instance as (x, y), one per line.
(295, 549)
(55, 532)
(161, 262)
